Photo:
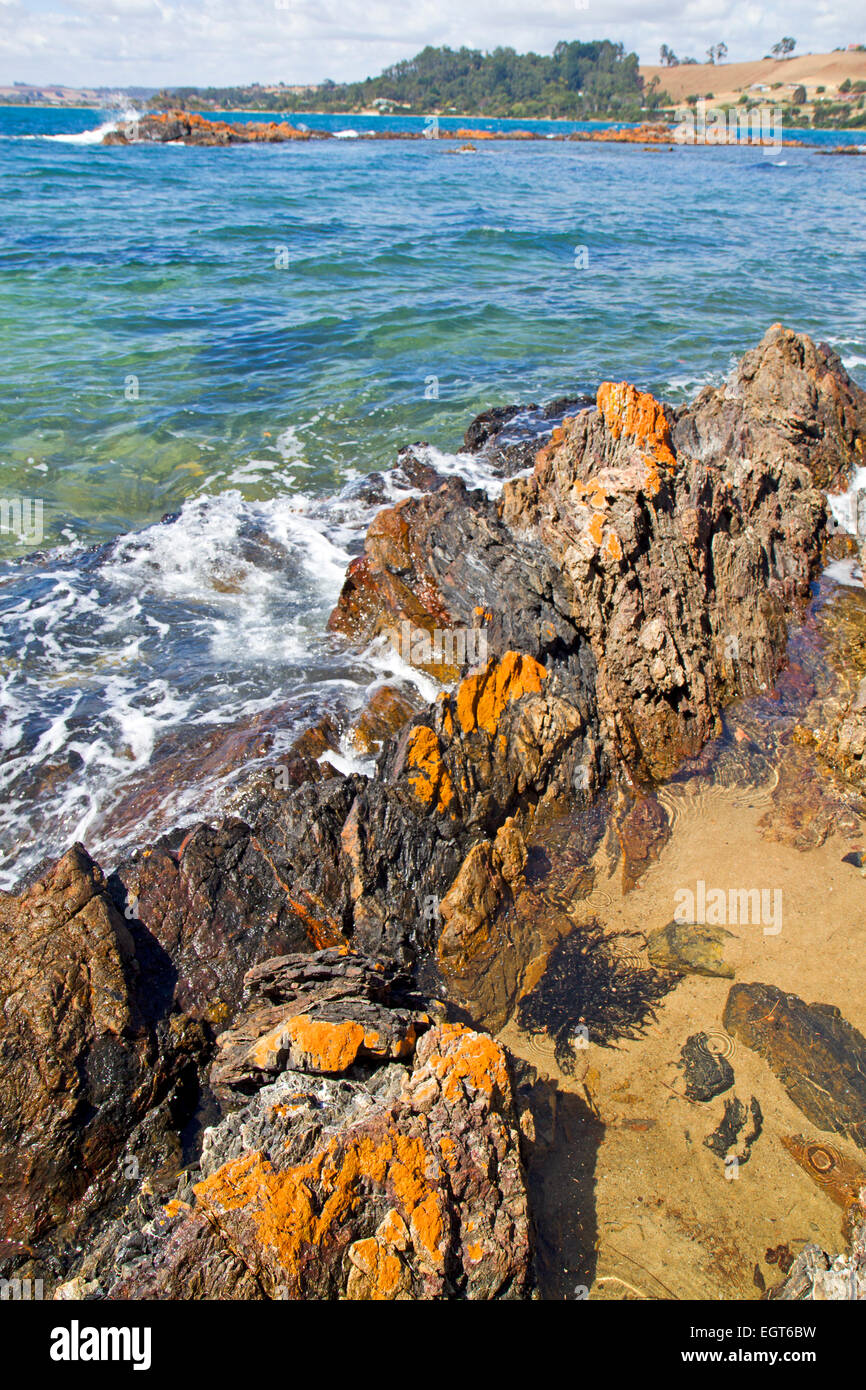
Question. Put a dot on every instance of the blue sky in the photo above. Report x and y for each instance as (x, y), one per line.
(157, 42)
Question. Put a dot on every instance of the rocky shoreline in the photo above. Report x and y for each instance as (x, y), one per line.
(262, 1057)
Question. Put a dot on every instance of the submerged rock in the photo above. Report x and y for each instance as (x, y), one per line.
(706, 1073)
(842, 1180)
(817, 1055)
(690, 948)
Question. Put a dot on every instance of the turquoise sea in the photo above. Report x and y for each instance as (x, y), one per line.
(243, 335)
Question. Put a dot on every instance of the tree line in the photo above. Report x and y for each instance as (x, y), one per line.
(578, 80)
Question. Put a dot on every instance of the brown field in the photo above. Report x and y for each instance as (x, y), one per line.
(730, 80)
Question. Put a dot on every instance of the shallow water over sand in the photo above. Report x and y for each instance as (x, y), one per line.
(632, 1203)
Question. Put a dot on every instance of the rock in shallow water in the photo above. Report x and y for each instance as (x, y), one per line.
(690, 948)
(706, 1073)
(817, 1055)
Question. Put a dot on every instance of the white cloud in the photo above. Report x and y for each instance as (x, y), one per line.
(172, 42)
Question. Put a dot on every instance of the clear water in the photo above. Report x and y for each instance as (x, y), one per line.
(242, 334)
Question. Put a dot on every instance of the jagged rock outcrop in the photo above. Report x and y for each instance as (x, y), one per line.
(673, 546)
(84, 1053)
(363, 1178)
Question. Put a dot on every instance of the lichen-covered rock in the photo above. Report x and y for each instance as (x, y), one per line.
(404, 1186)
(318, 1014)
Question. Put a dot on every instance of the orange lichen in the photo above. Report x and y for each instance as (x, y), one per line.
(641, 417)
(482, 698)
(381, 1267)
(463, 1056)
(613, 545)
(448, 1150)
(327, 1046)
(288, 1211)
(429, 777)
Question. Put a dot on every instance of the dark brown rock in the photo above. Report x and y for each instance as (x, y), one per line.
(83, 1057)
(817, 1055)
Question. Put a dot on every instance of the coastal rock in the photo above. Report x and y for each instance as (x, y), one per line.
(633, 513)
(83, 1055)
(817, 1055)
(320, 1014)
(385, 713)
(406, 1186)
(485, 944)
(188, 128)
(209, 906)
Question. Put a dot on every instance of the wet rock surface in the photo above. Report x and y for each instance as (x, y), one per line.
(689, 948)
(86, 1052)
(816, 1054)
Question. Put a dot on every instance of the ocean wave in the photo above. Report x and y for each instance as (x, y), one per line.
(91, 137)
(119, 661)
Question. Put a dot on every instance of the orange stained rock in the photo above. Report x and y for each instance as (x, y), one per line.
(381, 1266)
(428, 774)
(448, 1150)
(464, 1057)
(306, 1206)
(321, 933)
(482, 698)
(328, 1046)
(640, 416)
(613, 545)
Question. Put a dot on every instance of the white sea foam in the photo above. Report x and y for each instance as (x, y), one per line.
(95, 136)
(847, 572)
(843, 505)
(472, 468)
(211, 620)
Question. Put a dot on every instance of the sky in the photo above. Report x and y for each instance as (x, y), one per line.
(155, 43)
